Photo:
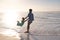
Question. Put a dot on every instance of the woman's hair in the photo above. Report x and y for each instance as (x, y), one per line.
(30, 9)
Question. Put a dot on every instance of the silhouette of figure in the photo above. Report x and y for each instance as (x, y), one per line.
(30, 20)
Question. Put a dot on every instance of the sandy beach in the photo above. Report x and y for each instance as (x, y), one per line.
(9, 34)
(4, 37)
(30, 37)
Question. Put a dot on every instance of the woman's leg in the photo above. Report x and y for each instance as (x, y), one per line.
(28, 27)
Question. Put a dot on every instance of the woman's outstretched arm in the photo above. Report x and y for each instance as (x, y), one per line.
(26, 20)
(25, 17)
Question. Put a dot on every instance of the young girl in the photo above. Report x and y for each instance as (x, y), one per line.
(22, 22)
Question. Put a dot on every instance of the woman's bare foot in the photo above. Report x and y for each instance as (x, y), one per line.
(26, 32)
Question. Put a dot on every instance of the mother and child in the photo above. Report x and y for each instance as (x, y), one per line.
(29, 18)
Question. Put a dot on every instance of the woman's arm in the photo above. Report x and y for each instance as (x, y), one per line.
(25, 17)
(26, 20)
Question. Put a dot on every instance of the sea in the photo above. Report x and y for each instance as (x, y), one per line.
(45, 23)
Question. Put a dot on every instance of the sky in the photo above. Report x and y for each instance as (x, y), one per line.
(24, 5)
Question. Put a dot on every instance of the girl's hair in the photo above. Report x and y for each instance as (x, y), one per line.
(23, 18)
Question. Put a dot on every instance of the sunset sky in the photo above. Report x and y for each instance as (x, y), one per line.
(24, 5)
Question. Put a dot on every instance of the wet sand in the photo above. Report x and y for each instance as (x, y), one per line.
(29, 36)
(7, 34)
(3, 37)
(39, 37)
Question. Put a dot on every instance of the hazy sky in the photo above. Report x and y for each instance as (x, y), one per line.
(24, 5)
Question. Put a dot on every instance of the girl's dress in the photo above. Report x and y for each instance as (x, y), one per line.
(20, 24)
